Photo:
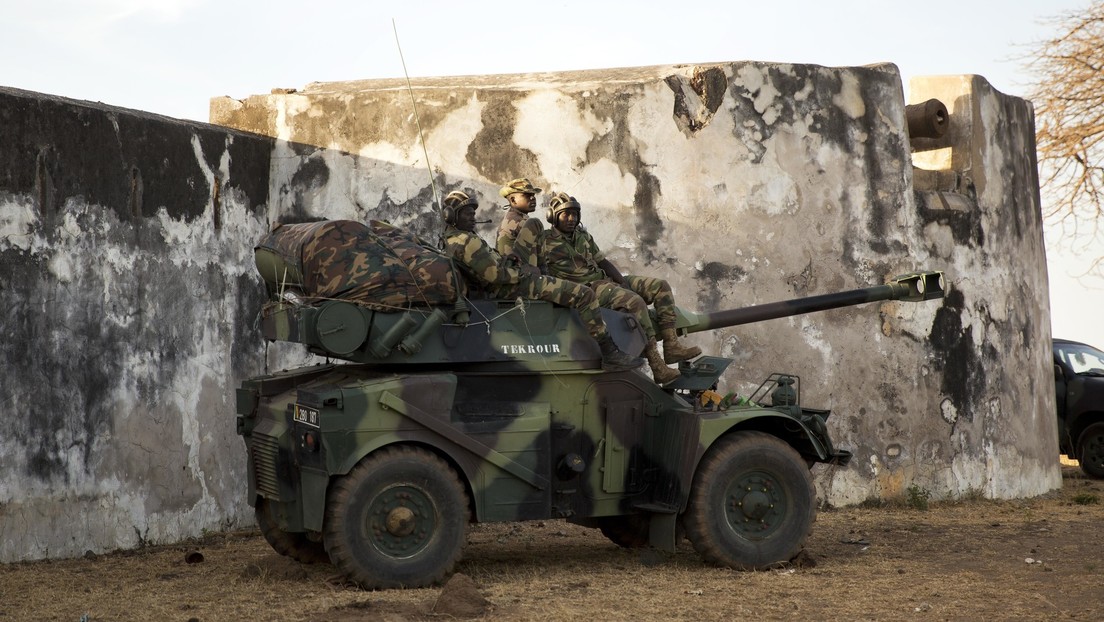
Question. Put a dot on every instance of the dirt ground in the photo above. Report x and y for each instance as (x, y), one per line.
(1029, 559)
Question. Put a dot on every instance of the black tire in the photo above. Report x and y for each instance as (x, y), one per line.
(629, 532)
(1090, 450)
(398, 519)
(289, 544)
(752, 504)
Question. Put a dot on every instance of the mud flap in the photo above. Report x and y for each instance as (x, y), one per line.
(662, 531)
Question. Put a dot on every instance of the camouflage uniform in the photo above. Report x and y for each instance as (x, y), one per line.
(577, 258)
(568, 251)
(482, 265)
(512, 223)
(526, 243)
(516, 221)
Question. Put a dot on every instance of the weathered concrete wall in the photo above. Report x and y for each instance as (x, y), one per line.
(747, 183)
(980, 208)
(128, 297)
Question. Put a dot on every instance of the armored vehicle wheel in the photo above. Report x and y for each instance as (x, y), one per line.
(294, 545)
(630, 532)
(398, 519)
(752, 502)
(1090, 450)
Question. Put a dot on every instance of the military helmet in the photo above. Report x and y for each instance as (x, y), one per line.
(522, 185)
(454, 202)
(558, 203)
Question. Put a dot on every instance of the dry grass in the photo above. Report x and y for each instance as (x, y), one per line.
(960, 560)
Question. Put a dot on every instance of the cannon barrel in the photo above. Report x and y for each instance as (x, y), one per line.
(927, 120)
(914, 287)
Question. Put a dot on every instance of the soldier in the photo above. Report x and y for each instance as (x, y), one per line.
(568, 252)
(522, 197)
(503, 278)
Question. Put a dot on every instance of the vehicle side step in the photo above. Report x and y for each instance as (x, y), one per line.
(656, 508)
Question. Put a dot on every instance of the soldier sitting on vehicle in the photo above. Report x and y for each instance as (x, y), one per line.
(522, 197)
(567, 251)
(505, 278)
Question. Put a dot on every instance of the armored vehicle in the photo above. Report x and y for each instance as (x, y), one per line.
(449, 409)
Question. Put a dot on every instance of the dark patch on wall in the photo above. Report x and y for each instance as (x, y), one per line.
(803, 282)
(310, 176)
(98, 338)
(752, 129)
(879, 147)
(493, 152)
(172, 179)
(57, 395)
(85, 159)
(692, 113)
(211, 147)
(711, 85)
(962, 367)
(620, 147)
(879, 215)
(250, 163)
(965, 225)
(1027, 335)
(649, 226)
(865, 138)
(46, 172)
(76, 339)
(749, 128)
(716, 271)
(46, 417)
(420, 214)
(312, 173)
(1019, 180)
(97, 152)
(711, 277)
(891, 396)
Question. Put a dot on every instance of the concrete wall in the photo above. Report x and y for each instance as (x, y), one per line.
(129, 294)
(996, 394)
(746, 183)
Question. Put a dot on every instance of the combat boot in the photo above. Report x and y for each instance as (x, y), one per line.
(673, 351)
(660, 372)
(613, 359)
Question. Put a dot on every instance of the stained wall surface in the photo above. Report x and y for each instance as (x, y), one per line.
(127, 298)
(129, 294)
(745, 183)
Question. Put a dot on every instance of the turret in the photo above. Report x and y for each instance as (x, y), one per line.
(375, 295)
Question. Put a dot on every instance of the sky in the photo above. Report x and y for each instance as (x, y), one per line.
(172, 56)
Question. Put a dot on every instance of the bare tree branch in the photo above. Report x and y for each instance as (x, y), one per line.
(1069, 120)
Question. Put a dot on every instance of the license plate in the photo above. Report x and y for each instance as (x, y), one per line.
(306, 415)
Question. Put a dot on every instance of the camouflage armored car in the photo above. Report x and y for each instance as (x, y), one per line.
(449, 409)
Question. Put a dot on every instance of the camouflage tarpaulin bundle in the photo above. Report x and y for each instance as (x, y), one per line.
(376, 264)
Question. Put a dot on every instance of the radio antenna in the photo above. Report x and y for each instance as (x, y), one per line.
(417, 119)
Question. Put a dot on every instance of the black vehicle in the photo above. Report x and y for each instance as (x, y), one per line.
(1079, 398)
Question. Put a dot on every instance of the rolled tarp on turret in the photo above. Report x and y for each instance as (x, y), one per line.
(376, 265)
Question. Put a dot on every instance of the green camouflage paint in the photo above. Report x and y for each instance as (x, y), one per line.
(510, 414)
